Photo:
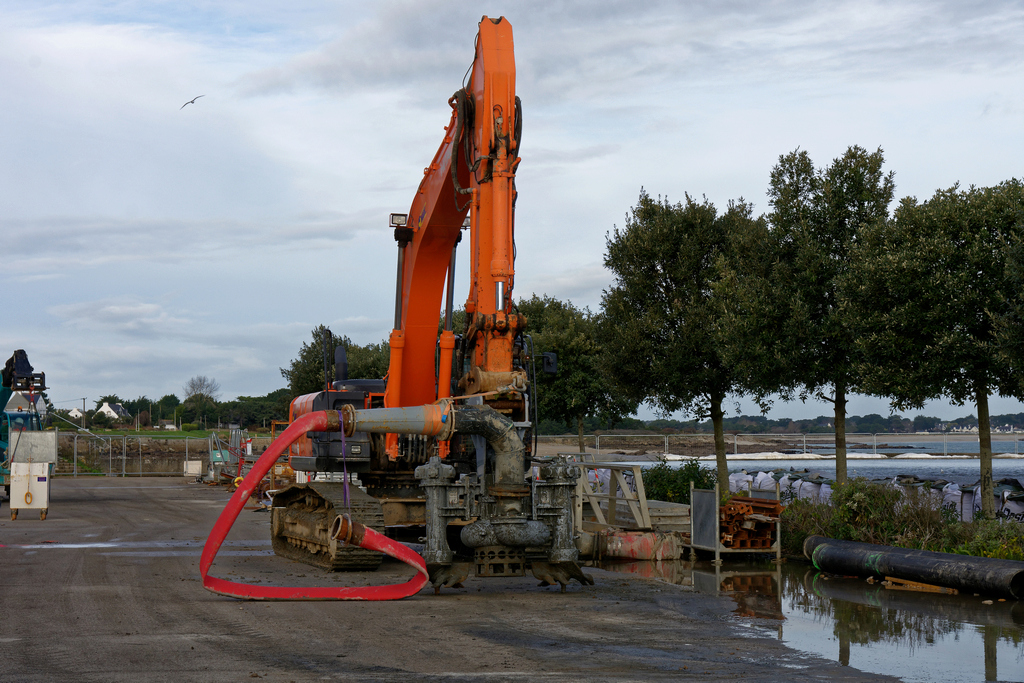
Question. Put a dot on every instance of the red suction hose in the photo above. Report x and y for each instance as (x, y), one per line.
(371, 540)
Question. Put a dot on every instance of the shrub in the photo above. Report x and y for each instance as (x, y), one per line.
(902, 517)
(189, 427)
(672, 484)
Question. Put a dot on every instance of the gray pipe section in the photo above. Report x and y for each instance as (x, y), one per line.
(501, 434)
(525, 534)
(498, 430)
(411, 420)
(984, 575)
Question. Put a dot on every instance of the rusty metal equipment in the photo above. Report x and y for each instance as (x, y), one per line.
(745, 524)
(749, 523)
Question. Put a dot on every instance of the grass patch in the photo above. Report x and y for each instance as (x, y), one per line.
(906, 518)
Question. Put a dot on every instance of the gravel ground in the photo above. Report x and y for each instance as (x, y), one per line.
(107, 589)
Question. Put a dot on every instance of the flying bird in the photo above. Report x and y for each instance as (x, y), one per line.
(192, 101)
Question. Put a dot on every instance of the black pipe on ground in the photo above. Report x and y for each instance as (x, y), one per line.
(983, 575)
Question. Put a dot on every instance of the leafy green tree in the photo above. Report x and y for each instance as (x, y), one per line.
(138, 406)
(305, 374)
(368, 361)
(579, 389)
(786, 329)
(256, 410)
(662, 321)
(165, 408)
(1010, 323)
(929, 291)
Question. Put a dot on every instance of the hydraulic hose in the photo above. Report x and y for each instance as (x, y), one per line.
(321, 421)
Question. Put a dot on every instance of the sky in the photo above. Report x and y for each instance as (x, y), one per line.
(144, 243)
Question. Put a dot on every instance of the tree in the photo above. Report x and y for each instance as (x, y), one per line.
(138, 406)
(305, 374)
(787, 330)
(166, 407)
(930, 292)
(1010, 323)
(201, 393)
(203, 387)
(579, 389)
(369, 361)
(662, 320)
(256, 410)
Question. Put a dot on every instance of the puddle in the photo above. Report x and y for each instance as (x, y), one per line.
(915, 636)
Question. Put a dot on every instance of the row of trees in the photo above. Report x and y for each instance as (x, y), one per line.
(864, 424)
(825, 295)
(201, 405)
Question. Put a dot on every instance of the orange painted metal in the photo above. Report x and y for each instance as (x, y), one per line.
(302, 405)
(437, 215)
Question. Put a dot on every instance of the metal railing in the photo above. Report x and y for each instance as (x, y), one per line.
(128, 456)
(125, 455)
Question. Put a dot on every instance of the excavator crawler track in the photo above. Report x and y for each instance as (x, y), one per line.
(301, 518)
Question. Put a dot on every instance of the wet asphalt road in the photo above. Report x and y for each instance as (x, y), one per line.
(107, 589)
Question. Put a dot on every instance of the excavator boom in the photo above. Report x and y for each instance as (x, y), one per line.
(473, 171)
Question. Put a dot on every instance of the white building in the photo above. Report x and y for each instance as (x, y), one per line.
(114, 412)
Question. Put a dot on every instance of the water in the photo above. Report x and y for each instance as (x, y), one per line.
(964, 472)
(915, 636)
(886, 444)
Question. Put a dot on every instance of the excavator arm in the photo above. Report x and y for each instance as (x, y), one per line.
(473, 171)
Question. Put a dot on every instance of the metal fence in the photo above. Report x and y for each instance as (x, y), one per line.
(124, 456)
(89, 454)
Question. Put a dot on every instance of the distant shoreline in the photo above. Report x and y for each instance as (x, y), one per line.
(849, 456)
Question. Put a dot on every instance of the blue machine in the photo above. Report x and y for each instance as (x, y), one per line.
(17, 378)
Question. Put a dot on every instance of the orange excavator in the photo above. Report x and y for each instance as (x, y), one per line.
(443, 443)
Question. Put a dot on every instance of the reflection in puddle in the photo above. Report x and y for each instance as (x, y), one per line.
(915, 636)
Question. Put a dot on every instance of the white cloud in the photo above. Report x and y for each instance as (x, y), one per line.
(149, 243)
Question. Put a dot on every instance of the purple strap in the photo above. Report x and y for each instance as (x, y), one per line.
(344, 462)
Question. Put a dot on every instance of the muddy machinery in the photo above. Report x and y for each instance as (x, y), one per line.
(17, 381)
(443, 443)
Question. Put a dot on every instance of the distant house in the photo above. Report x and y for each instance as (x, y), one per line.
(75, 413)
(21, 401)
(115, 412)
(168, 425)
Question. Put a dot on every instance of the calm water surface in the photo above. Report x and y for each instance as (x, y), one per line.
(962, 471)
(916, 636)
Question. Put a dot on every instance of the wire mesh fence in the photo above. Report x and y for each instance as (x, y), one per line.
(128, 456)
